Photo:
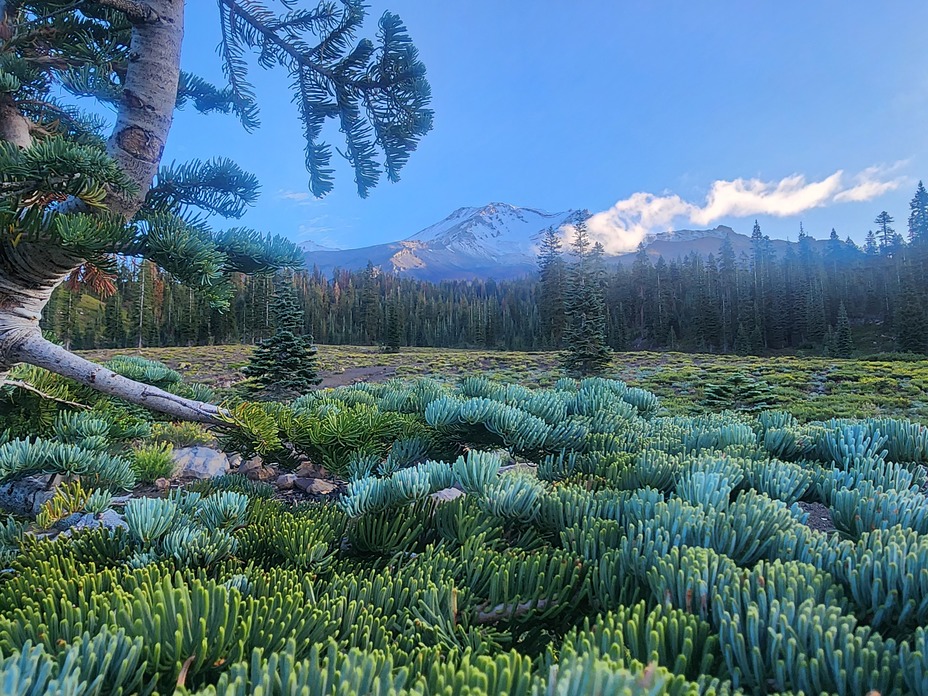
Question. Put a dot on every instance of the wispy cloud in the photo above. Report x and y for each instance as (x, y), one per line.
(298, 197)
(317, 230)
(623, 226)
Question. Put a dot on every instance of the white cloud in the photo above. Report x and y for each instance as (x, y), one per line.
(628, 222)
(298, 197)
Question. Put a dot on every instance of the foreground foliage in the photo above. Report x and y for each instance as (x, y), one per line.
(640, 553)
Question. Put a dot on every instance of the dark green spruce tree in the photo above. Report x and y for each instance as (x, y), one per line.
(843, 343)
(910, 319)
(284, 365)
(393, 331)
(551, 279)
(587, 352)
(918, 215)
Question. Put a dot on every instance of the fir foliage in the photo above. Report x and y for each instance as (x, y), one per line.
(584, 308)
(284, 365)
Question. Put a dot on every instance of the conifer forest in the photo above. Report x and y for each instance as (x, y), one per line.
(227, 472)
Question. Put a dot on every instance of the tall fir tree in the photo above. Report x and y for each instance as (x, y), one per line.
(918, 215)
(843, 341)
(284, 365)
(551, 279)
(393, 332)
(910, 319)
(370, 304)
(885, 232)
(587, 352)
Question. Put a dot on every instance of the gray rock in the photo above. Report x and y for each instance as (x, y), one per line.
(250, 465)
(235, 460)
(200, 462)
(315, 486)
(25, 496)
(286, 481)
(446, 495)
(110, 519)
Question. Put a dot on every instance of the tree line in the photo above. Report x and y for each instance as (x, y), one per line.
(832, 298)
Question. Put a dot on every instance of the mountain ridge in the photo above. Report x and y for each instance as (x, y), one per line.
(499, 241)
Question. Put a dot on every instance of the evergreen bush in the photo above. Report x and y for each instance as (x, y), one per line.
(283, 366)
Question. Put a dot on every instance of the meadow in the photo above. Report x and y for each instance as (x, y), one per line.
(811, 388)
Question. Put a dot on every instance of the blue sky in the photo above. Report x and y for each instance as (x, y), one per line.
(586, 104)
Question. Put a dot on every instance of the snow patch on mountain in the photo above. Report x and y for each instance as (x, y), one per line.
(495, 232)
(719, 232)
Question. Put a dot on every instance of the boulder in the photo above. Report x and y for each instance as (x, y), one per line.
(315, 486)
(249, 465)
(25, 496)
(286, 481)
(200, 462)
(110, 519)
(309, 470)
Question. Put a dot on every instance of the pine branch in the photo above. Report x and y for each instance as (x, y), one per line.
(25, 386)
(379, 95)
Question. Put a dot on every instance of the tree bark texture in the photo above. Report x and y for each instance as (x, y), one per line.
(147, 108)
(30, 271)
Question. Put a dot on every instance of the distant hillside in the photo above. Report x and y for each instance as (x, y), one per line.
(500, 241)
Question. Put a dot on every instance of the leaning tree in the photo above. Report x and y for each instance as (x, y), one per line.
(76, 192)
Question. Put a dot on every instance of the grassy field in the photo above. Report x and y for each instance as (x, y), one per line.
(812, 388)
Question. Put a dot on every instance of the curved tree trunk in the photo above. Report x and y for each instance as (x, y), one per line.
(30, 271)
(28, 275)
(35, 350)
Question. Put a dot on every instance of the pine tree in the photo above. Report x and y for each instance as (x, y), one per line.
(114, 328)
(584, 307)
(843, 344)
(284, 365)
(370, 304)
(910, 320)
(885, 231)
(918, 215)
(871, 248)
(391, 343)
(551, 289)
(742, 341)
(71, 198)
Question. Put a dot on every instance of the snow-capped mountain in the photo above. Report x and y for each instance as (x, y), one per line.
(501, 241)
(495, 241)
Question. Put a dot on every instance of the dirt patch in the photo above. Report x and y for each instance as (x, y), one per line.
(353, 375)
(819, 517)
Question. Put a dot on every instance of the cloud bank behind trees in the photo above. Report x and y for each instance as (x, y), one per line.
(622, 227)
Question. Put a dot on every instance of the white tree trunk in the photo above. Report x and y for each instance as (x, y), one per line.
(28, 275)
(147, 107)
(30, 271)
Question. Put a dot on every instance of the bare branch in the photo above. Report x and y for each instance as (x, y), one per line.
(36, 350)
(25, 386)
